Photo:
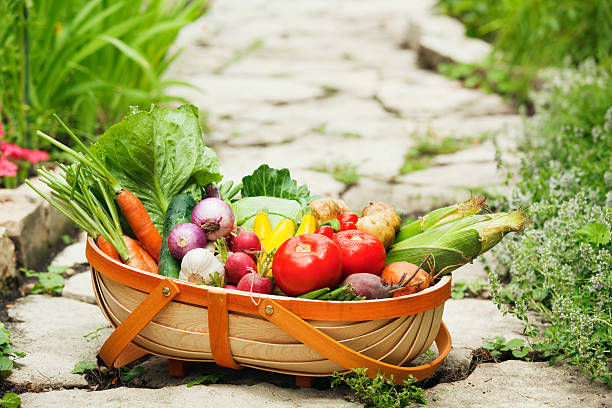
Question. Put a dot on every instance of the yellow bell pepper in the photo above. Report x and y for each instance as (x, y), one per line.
(262, 228)
(282, 232)
(308, 224)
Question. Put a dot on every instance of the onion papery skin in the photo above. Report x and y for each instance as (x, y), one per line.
(214, 216)
(185, 237)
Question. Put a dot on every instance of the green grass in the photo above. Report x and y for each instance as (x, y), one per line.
(343, 172)
(428, 146)
(88, 61)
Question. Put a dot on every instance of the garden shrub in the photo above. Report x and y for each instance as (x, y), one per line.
(528, 36)
(562, 265)
(88, 61)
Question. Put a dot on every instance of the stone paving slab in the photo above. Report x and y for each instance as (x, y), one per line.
(50, 331)
(520, 384)
(217, 395)
(79, 287)
(471, 321)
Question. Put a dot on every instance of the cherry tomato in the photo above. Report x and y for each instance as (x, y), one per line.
(325, 230)
(348, 216)
(347, 225)
(305, 263)
(361, 252)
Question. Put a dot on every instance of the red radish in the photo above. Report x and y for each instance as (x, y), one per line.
(230, 287)
(244, 241)
(253, 282)
(237, 265)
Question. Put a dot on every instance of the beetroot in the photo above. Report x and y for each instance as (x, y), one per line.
(244, 241)
(253, 282)
(372, 286)
(237, 265)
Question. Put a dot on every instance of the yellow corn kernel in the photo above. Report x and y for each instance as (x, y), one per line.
(262, 228)
(308, 224)
(282, 232)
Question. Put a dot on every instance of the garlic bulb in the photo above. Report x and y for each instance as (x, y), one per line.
(199, 266)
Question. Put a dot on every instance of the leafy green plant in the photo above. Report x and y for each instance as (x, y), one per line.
(127, 374)
(89, 61)
(380, 391)
(85, 366)
(498, 345)
(211, 378)
(461, 288)
(561, 265)
(51, 282)
(7, 353)
(10, 400)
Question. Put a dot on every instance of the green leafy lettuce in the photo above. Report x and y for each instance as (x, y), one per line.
(157, 155)
(266, 181)
(271, 191)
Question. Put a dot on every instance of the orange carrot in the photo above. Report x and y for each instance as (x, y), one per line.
(107, 248)
(140, 222)
(148, 260)
(136, 260)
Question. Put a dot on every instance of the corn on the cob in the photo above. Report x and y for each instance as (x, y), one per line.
(441, 216)
(459, 242)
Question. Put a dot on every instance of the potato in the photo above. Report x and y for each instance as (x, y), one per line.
(381, 220)
(325, 209)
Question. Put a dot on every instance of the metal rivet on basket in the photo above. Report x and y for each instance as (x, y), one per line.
(269, 310)
(166, 291)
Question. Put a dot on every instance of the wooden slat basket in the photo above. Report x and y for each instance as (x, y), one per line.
(186, 322)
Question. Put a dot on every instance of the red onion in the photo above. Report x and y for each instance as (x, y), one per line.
(185, 237)
(214, 216)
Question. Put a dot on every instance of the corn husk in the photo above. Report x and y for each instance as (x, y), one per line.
(459, 242)
(441, 216)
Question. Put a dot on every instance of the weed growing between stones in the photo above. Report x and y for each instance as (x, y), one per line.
(51, 282)
(380, 392)
(462, 289)
(429, 145)
(562, 265)
(7, 353)
(343, 172)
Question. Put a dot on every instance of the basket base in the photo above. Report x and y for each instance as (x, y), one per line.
(181, 368)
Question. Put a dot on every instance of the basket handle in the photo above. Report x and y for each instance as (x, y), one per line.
(346, 357)
(120, 339)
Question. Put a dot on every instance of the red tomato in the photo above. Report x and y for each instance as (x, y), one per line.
(305, 263)
(347, 225)
(325, 230)
(361, 252)
(348, 216)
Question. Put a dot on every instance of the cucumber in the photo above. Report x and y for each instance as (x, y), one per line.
(179, 211)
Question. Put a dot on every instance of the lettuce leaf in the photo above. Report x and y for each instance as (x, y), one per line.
(266, 181)
(157, 155)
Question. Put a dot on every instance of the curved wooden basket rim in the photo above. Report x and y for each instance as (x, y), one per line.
(243, 302)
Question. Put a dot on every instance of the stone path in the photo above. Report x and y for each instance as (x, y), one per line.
(307, 85)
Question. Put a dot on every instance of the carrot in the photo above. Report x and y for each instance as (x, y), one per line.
(148, 260)
(136, 260)
(107, 248)
(140, 222)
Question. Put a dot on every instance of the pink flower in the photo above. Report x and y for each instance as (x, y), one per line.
(11, 151)
(14, 152)
(7, 168)
(34, 156)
